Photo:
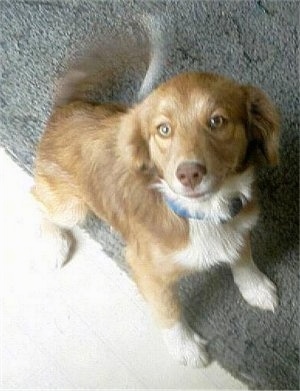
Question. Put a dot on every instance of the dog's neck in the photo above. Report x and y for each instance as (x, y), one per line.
(235, 205)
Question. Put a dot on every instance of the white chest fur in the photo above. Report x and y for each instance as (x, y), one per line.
(211, 243)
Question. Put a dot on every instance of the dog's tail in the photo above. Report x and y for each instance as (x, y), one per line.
(160, 42)
(127, 67)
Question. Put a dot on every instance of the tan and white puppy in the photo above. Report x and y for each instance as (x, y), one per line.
(174, 175)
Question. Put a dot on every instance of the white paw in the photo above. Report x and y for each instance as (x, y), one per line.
(55, 247)
(260, 292)
(186, 346)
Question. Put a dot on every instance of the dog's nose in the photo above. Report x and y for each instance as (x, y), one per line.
(190, 174)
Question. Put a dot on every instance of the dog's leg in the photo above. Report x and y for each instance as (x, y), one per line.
(254, 286)
(56, 244)
(185, 345)
(159, 291)
(58, 217)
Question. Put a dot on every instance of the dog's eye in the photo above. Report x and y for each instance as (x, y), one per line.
(164, 130)
(216, 121)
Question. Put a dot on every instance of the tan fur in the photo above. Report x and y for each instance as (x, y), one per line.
(104, 158)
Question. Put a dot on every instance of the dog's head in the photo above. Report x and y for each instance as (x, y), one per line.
(197, 129)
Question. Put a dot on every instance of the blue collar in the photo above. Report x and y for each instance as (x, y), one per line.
(235, 206)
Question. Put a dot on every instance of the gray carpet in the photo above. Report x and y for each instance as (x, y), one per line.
(252, 41)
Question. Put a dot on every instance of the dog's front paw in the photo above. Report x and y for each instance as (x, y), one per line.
(260, 293)
(186, 346)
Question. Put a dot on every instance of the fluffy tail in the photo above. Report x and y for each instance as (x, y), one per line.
(159, 43)
(120, 67)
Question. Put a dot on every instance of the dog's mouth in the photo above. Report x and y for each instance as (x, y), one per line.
(187, 194)
(195, 195)
(199, 193)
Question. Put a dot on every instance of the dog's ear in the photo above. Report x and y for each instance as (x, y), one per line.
(263, 124)
(133, 142)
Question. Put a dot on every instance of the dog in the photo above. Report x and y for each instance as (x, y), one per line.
(175, 175)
